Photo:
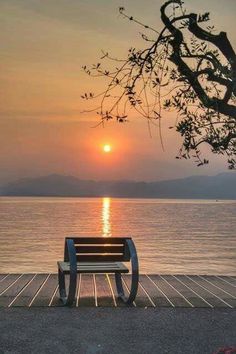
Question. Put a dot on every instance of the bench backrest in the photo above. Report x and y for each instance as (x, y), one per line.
(100, 249)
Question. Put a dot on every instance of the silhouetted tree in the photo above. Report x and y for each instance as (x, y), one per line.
(185, 67)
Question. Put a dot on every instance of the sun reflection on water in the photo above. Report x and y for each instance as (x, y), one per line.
(106, 224)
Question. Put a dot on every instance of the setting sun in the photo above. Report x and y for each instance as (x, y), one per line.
(107, 148)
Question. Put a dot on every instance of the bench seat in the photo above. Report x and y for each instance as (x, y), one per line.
(94, 267)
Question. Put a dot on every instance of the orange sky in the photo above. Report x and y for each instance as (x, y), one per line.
(43, 46)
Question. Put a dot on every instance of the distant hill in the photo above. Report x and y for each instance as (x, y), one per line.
(222, 186)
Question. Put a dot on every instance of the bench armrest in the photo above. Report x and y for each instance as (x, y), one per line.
(71, 252)
(133, 256)
(70, 255)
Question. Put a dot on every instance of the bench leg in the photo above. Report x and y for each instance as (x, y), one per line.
(120, 290)
(119, 287)
(134, 279)
(71, 255)
(67, 300)
(62, 287)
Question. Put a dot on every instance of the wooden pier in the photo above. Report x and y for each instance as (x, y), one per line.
(98, 290)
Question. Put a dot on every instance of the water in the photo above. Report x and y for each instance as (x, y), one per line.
(172, 236)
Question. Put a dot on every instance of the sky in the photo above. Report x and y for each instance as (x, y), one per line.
(44, 44)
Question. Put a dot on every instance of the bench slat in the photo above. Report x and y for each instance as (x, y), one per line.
(95, 267)
(100, 258)
(99, 249)
(99, 240)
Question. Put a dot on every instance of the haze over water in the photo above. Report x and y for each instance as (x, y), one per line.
(172, 236)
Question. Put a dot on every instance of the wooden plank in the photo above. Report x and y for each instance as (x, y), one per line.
(232, 279)
(3, 276)
(118, 301)
(113, 293)
(203, 293)
(29, 292)
(56, 302)
(39, 289)
(78, 287)
(197, 294)
(100, 249)
(194, 297)
(181, 295)
(226, 280)
(146, 287)
(171, 293)
(95, 291)
(104, 294)
(10, 294)
(142, 300)
(226, 288)
(86, 296)
(157, 296)
(8, 281)
(228, 300)
(187, 293)
(45, 294)
(221, 283)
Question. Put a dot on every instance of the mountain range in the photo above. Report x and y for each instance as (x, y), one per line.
(221, 186)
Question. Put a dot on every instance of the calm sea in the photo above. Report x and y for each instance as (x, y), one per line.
(172, 236)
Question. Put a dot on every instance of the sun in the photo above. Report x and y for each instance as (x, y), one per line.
(107, 148)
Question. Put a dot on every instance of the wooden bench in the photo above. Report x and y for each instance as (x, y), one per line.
(98, 255)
